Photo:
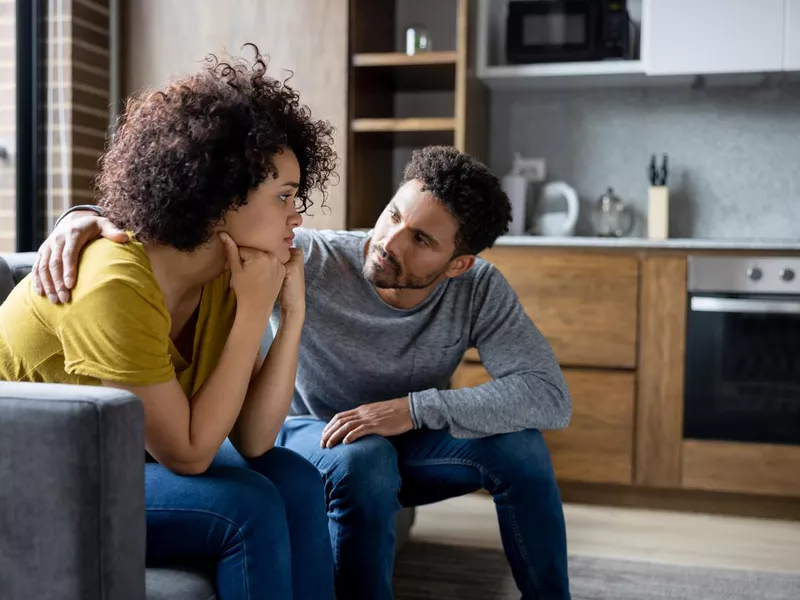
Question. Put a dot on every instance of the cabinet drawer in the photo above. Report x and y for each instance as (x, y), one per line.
(735, 467)
(597, 446)
(585, 304)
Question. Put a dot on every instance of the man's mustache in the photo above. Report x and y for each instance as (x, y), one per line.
(388, 258)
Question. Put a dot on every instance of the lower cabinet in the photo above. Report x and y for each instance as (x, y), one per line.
(763, 469)
(597, 446)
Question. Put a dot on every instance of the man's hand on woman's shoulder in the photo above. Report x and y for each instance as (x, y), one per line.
(55, 269)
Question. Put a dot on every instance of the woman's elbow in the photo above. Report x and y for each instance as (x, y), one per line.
(251, 446)
(188, 468)
(255, 450)
(190, 463)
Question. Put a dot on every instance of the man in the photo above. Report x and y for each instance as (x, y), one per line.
(389, 316)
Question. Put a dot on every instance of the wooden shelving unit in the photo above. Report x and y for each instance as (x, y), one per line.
(399, 59)
(399, 102)
(420, 124)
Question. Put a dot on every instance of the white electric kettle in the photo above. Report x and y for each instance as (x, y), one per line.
(556, 223)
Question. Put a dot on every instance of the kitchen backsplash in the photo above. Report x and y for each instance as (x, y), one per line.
(734, 153)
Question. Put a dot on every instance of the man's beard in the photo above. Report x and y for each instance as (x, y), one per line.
(391, 279)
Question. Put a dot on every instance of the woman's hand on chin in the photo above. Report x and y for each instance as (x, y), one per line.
(256, 278)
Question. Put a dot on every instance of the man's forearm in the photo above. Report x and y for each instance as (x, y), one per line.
(512, 403)
(270, 393)
(86, 209)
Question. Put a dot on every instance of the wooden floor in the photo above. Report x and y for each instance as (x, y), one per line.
(634, 534)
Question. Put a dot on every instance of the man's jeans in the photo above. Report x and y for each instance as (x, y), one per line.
(369, 481)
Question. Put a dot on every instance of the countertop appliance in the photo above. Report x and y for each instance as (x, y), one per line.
(611, 216)
(567, 30)
(742, 378)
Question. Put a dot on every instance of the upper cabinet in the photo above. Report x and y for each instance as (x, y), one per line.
(672, 42)
(791, 58)
(703, 37)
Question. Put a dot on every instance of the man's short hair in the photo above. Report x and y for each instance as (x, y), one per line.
(468, 190)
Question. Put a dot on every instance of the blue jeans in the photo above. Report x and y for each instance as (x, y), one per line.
(261, 523)
(369, 481)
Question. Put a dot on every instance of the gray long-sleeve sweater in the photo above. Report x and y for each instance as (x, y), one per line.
(357, 349)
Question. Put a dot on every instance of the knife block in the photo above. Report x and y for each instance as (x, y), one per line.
(658, 213)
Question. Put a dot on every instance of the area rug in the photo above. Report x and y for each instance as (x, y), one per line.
(442, 572)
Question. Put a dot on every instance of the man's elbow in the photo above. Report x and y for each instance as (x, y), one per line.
(562, 401)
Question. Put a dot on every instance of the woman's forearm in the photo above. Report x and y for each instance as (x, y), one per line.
(217, 404)
(270, 393)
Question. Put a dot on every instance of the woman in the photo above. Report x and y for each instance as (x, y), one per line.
(205, 177)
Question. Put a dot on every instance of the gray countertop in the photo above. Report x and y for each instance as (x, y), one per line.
(635, 243)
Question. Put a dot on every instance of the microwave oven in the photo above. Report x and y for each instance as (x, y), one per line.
(567, 31)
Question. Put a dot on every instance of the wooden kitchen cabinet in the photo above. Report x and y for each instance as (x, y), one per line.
(597, 446)
(791, 57)
(765, 469)
(585, 304)
(696, 37)
(662, 330)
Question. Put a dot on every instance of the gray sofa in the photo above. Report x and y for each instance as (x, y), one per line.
(72, 518)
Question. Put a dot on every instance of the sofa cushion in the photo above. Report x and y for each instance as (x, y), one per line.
(178, 584)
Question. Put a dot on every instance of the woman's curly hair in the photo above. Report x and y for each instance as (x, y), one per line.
(185, 155)
(468, 190)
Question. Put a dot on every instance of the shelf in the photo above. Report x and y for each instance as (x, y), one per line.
(400, 72)
(403, 125)
(564, 75)
(594, 74)
(400, 59)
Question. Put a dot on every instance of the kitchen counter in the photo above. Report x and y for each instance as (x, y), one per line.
(637, 243)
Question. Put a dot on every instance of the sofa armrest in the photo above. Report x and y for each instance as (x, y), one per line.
(72, 516)
(19, 263)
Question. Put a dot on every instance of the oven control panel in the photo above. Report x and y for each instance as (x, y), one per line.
(737, 274)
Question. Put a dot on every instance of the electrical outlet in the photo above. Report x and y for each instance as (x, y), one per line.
(533, 169)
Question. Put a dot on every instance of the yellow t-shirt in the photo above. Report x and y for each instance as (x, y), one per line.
(115, 327)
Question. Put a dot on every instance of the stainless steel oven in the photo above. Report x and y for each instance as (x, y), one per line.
(742, 379)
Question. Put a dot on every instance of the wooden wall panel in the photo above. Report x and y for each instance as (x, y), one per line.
(309, 37)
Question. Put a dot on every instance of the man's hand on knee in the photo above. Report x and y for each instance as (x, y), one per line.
(387, 418)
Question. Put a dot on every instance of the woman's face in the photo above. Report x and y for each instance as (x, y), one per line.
(268, 220)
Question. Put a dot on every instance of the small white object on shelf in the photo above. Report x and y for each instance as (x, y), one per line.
(658, 213)
(418, 40)
(515, 185)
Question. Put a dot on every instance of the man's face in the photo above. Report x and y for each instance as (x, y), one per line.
(413, 243)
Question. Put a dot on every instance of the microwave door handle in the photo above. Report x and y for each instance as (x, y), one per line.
(744, 305)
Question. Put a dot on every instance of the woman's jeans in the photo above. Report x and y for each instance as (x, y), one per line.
(262, 522)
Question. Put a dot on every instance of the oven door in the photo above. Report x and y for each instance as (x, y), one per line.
(743, 369)
(552, 31)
